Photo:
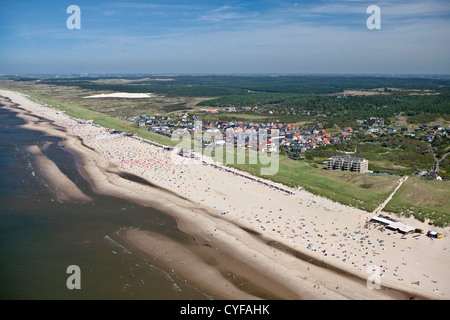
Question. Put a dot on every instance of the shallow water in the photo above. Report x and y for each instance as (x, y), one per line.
(41, 236)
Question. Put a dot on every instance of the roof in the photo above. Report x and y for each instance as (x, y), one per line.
(382, 220)
(394, 225)
(400, 226)
(347, 158)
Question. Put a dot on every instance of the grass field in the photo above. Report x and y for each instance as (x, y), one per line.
(159, 104)
(426, 200)
(392, 155)
(363, 191)
(99, 118)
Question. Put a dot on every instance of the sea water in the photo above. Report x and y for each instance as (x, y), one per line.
(41, 236)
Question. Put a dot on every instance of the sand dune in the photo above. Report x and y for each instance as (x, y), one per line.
(121, 95)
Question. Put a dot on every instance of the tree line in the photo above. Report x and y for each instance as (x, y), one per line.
(374, 105)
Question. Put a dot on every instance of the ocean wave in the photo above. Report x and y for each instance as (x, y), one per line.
(116, 244)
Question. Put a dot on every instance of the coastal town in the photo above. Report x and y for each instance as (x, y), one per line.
(341, 236)
(221, 157)
(291, 139)
(295, 137)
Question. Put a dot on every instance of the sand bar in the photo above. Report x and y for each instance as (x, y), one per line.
(64, 188)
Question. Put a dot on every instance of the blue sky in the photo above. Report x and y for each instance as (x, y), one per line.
(257, 36)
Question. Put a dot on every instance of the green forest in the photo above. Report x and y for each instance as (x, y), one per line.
(416, 97)
(360, 106)
(213, 85)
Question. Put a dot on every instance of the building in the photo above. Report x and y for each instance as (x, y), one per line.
(348, 164)
(393, 224)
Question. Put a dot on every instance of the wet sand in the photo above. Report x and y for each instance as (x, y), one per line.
(61, 185)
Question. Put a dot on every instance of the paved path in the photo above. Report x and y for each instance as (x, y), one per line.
(381, 206)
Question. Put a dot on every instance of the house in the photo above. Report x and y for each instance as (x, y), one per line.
(346, 135)
(371, 131)
(291, 129)
(391, 130)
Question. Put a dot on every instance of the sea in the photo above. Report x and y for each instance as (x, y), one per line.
(41, 237)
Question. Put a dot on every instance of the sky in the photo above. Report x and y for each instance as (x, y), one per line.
(225, 37)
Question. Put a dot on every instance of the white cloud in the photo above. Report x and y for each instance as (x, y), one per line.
(414, 39)
(227, 13)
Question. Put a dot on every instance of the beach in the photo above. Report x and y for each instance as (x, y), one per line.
(286, 242)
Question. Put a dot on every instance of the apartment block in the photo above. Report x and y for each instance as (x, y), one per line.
(348, 164)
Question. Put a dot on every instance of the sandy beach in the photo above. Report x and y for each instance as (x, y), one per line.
(289, 243)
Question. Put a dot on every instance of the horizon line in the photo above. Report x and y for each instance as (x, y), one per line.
(175, 74)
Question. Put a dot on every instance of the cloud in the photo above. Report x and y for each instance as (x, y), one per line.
(109, 13)
(326, 36)
(227, 13)
(294, 48)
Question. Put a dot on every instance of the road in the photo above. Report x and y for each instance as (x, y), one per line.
(436, 160)
(381, 206)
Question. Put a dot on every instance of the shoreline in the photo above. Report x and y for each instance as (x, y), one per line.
(198, 210)
(61, 185)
